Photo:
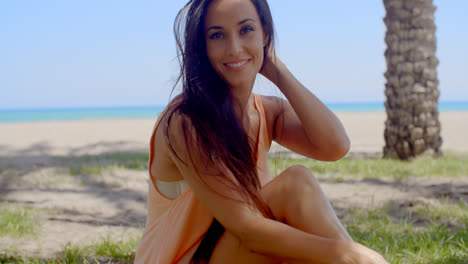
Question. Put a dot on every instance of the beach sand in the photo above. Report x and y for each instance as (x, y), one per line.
(99, 136)
(83, 208)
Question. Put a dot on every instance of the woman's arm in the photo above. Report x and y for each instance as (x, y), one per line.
(258, 233)
(306, 125)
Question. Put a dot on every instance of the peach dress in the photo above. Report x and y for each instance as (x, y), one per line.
(175, 227)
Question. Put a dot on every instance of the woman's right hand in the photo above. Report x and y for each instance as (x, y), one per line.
(359, 254)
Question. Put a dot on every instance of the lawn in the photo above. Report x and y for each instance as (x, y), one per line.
(403, 232)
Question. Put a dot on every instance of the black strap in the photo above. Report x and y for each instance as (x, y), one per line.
(208, 243)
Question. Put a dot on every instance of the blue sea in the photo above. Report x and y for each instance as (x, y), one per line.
(61, 114)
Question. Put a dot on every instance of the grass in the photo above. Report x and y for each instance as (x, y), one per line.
(53, 179)
(87, 165)
(400, 239)
(93, 164)
(449, 212)
(105, 251)
(427, 233)
(123, 250)
(404, 240)
(450, 165)
(87, 170)
(17, 221)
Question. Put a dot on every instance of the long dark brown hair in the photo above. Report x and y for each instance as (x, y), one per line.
(208, 103)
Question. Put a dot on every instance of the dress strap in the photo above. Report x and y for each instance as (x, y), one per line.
(153, 135)
(263, 121)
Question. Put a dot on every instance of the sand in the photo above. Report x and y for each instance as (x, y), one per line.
(98, 136)
(84, 209)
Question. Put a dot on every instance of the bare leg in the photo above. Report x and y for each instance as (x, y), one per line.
(296, 199)
(306, 206)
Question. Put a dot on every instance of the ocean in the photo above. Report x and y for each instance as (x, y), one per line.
(62, 114)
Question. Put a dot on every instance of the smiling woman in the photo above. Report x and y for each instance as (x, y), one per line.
(235, 48)
(212, 198)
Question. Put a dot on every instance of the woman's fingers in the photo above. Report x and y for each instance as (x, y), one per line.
(369, 256)
(272, 65)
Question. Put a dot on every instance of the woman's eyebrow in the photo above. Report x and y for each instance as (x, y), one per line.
(240, 23)
(246, 20)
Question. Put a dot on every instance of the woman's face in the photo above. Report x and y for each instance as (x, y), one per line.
(234, 41)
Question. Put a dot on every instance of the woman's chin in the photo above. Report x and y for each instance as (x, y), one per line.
(235, 86)
(238, 83)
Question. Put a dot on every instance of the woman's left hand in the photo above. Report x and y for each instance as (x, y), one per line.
(272, 66)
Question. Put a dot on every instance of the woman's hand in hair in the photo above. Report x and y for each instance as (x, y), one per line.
(303, 123)
(272, 66)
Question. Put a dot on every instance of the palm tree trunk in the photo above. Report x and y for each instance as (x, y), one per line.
(412, 125)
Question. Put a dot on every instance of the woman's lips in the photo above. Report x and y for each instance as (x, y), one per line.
(237, 65)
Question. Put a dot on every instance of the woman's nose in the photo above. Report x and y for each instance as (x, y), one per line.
(234, 46)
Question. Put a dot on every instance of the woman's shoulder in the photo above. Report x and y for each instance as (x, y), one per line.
(270, 101)
(273, 107)
(171, 124)
(166, 136)
(171, 117)
(175, 129)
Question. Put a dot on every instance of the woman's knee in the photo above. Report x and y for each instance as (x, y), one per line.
(280, 192)
(298, 178)
(289, 181)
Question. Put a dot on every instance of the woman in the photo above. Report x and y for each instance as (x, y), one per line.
(212, 198)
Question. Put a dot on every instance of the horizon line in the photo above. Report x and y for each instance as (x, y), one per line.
(113, 107)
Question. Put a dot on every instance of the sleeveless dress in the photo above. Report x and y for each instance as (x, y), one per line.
(175, 227)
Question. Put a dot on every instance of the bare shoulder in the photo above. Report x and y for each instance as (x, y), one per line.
(167, 134)
(271, 101)
(274, 107)
(182, 141)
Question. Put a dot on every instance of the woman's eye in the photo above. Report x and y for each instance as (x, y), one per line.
(216, 35)
(245, 30)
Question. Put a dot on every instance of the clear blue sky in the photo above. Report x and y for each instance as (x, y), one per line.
(122, 53)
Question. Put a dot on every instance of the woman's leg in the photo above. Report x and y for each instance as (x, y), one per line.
(304, 205)
(296, 199)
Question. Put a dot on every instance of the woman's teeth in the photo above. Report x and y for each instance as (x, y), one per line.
(237, 65)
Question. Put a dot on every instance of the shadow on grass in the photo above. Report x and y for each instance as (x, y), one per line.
(409, 236)
(65, 260)
(446, 190)
(17, 167)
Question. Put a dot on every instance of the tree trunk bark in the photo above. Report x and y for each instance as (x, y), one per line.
(412, 125)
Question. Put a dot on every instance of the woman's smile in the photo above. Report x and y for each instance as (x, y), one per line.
(237, 66)
(235, 42)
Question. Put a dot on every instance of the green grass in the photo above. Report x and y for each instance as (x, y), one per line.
(95, 164)
(105, 251)
(56, 178)
(92, 164)
(86, 170)
(448, 212)
(400, 239)
(404, 240)
(427, 233)
(17, 221)
(451, 165)
(123, 250)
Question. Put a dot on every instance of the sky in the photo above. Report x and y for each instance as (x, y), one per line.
(88, 53)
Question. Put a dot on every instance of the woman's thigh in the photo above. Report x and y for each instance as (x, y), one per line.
(229, 248)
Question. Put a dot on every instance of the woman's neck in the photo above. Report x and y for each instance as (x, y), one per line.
(242, 94)
(243, 107)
